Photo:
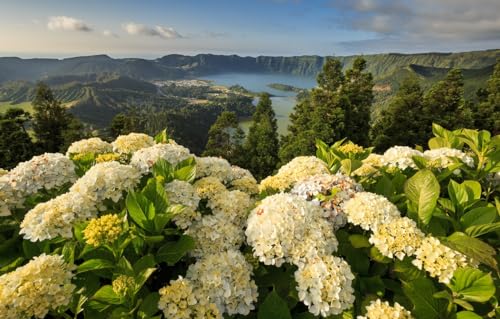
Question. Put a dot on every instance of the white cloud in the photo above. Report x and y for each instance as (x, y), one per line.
(67, 24)
(158, 31)
(108, 33)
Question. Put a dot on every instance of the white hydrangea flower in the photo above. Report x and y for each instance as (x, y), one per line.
(57, 217)
(106, 180)
(238, 173)
(287, 228)
(34, 289)
(233, 206)
(400, 157)
(209, 187)
(443, 157)
(129, 144)
(183, 193)
(179, 301)
(245, 184)
(47, 171)
(371, 164)
(3, 171)
(215, 234)
(226, 280)
(383, 310)
(330, 192)
(145, 158)
(91, 145)
(214, 167)
(369, 210)
(400, 237)
(438, 260)
(293, 172)
(325, 285)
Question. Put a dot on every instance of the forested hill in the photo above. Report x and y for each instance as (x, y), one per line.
(180, 66)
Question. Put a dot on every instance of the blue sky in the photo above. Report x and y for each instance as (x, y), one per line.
(57, 28)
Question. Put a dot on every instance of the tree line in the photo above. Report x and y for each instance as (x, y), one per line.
(341, 107)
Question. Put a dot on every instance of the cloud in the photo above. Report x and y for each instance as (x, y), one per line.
(157, 31)
(67, 24)
(108, 33)
(414, 24)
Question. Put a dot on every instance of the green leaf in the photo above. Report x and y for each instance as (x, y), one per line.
(140, 208)
(186, 170)
(161, 137)
(106, 295)
(142, 277)
(473, 248)
(406, 270)
(147, 261)
(172, 252)
(274, 307)
(467, 315)
(479, 216)
(376, 255)
(479, 230)
(164, 169)
(423, 190)
(472, 285)
(420, 292)
(473, 189)
(359, 241)
(458, 194)
(94, 264)
(155, 192)
(385, 187)
(149, 305)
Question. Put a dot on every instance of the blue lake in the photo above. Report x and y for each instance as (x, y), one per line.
(283, 102)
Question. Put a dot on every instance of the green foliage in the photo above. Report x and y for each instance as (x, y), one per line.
(487, 113)
(225, 139)
(422, 190)
(262, 144)
(15, 143)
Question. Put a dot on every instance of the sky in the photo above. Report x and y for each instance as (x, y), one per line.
(151, 29)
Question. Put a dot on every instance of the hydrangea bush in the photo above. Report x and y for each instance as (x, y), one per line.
(142, 228)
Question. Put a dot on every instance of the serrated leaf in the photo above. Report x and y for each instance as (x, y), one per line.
(473, 248)
(94, 264)
(420, 292)
(472, 285)
(423, 190)
(172, 252)
(274, 307)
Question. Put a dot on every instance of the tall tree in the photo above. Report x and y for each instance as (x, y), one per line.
(262, 144)
(225, 138)
(487, 114)
(445, 105)
(51, 121)
(15, 143)
(401, 123)
(358, 89)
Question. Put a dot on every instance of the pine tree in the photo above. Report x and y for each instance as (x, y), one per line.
(401, 123)
(15, 143)
(487, 115)
(225, 138)
(445, 105)
(51, 121)
(358, 88)
(262, 144)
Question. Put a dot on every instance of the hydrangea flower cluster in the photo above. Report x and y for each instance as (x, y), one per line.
(178, 301)
(47, 171)
(215, 167)
(439, 260)
(226, 280)
(108, 157)
(443, 157)
(183, 193)
(400, 157)
(370, 165)
(287, 228)
(369, 210)
(208, 187)
(131, 143)
(330, 192)
(399, 236)
(92, 145)
(382, 310)
(103, 230)
(122, 285)
(56, 217)
(106, 181)
(293, 172)
(145, 158)
(325, 285)
(34, 289)
(233, 206)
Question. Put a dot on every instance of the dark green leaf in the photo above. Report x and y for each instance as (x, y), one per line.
(359, 241)
(172, 252)
(478, 216)
(94, 264)
(106, 295)
(149, 305)
(473, 248)
(424, 304)
(274, 308)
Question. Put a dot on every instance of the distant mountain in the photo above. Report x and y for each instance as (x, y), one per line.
(177, 66)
